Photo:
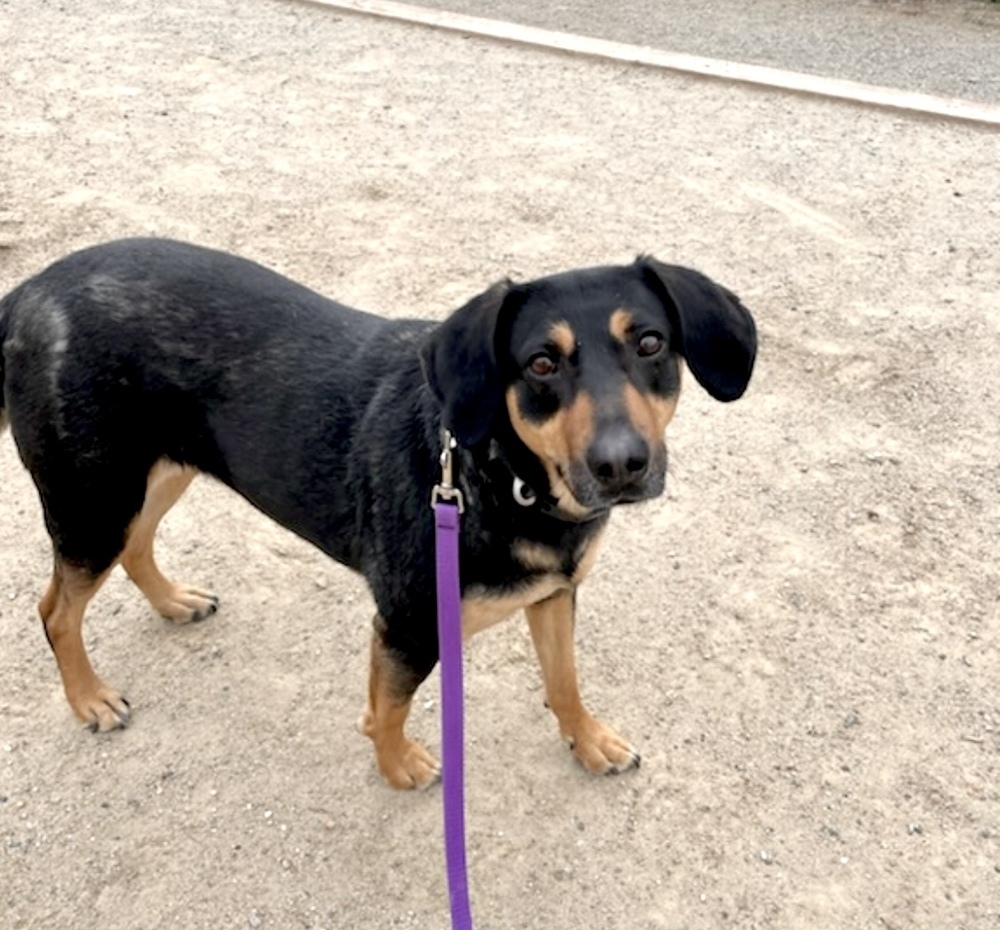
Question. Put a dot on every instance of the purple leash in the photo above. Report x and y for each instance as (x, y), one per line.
(448, 506)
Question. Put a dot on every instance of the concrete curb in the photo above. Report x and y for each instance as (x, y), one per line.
(773, 78)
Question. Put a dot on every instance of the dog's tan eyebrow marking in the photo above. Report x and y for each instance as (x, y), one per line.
(621, 324)
(562, 335)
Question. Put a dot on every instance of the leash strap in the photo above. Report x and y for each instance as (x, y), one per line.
(446, 521)
(448, 505)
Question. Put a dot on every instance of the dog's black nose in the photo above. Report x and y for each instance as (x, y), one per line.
(618, 458)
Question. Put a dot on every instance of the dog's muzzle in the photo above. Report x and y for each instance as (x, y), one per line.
(619, 467)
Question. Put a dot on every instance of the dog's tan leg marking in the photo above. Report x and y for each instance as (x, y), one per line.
(62, 608)
(178, 602)
(402, 762)
(600, 749)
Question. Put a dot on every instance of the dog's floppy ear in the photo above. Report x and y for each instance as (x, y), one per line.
(718, 338)
(461, 368)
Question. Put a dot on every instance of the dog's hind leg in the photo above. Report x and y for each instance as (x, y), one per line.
(178, 602)
(391, 685)
(62, 608)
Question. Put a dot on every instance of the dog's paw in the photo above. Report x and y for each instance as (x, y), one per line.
(600, 749)
(185, 604)
(102, 710)
(409, 766)
(403, 763)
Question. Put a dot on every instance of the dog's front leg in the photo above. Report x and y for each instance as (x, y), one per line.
(391, 685)
(600, 749)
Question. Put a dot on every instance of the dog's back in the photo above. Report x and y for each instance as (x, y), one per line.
(147, 349)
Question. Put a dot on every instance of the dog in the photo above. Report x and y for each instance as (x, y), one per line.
(130, 367)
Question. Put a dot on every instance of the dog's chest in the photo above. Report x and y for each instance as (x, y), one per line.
(545, 571)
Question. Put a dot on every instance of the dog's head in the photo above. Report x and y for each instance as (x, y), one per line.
(584, 368)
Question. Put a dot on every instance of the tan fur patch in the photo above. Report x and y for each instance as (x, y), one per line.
(587, 557)
(181, 603)
(649, 413)
(561, 439)
(62, 608)
(620, 325)
(564, 338)
(479, 612)
(402, 762)
(599, 748)
(537, 557)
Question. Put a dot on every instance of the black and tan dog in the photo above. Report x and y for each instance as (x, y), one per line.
(129, 367)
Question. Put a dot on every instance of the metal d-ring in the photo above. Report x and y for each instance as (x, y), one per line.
(524, 495)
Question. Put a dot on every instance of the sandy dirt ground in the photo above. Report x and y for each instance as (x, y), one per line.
(801, 636)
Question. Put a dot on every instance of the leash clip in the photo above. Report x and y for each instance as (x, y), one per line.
(446, 490)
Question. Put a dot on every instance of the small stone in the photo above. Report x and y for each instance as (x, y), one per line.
(914, 829)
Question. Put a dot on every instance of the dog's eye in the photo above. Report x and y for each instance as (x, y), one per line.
(649, 344)
(542, 365)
